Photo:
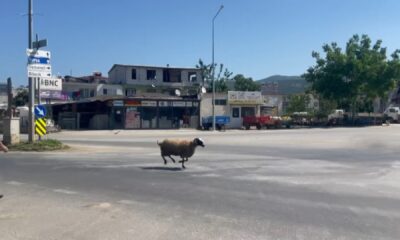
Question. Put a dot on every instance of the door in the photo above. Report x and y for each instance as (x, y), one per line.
(236, 119)
(118, 117)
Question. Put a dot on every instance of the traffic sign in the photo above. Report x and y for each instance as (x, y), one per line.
(40, 126)
(40, 111)
(38, 53)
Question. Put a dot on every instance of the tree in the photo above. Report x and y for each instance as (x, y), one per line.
(245, 84)
(357, 75)
(298, 103)
(220, 76)
(22, 98)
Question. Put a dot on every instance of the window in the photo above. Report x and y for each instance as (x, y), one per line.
(92, 93)
(151, 74)
(172, 75)
(104, 91)
(133, 74)
(221, 102)
(130, 92)
(192, 77)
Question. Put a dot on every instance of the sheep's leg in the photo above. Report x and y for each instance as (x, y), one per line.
(165, 160)
(172, 159)
(183, 163)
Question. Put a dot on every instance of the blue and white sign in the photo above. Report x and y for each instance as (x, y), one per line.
(40, 111)
(38, 60)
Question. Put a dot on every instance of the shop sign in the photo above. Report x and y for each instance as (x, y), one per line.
(244, 98)
(178, 104)
(118, 103)
(189, 104)
(132, 103)
(164, 104)
(195, 104)
(149, 103)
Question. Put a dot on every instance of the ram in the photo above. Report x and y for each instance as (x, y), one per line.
(182, 148)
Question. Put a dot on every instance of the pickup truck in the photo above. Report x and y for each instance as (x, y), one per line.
(220, 122)
(261, 122)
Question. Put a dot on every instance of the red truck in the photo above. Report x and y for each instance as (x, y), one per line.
(261, 122)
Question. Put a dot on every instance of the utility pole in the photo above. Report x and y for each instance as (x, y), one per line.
(213, 69)
(31, 127)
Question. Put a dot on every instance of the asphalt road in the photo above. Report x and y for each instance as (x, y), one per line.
(285, 184)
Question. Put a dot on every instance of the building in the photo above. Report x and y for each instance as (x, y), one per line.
(145, 111)
(171, 81)
(234, 104)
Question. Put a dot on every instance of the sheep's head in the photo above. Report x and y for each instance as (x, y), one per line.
(199, 142)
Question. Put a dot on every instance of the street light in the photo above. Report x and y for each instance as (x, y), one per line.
(213, 67)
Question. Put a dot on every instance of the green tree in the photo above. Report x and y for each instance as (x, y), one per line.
(220, 76)
(22, 98)
(357, 75)
(298, 103)
(245, 84)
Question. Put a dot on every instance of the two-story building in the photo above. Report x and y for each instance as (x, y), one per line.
(172, 81)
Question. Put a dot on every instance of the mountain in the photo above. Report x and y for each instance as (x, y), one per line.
(278, 78)
(283, 85)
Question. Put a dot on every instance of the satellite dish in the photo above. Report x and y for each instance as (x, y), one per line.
(177, 92)
(152, 85)
(203, 90)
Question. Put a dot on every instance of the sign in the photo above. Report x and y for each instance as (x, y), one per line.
(244, 98)
(189, 104)
(40, 111)
(40, 127)
(118, 103)
(164, 104)
(54, 84)
(149, 103)
(132, 103)
(49, 94)
(38, 53)
(178, 104)
(39, 68)
(39, 44)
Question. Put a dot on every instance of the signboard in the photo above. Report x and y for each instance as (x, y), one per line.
(38, 63)
(54, 84)
(189, 104)
(132, 103)
(40, 127)
(149, 103)
(49, 94)
(38, 53)
(39, 74)
(244, 98)
(40, 111)
(164, 104)
(118, 103)
(178, 104)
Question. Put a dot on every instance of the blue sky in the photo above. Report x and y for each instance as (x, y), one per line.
(257, 38)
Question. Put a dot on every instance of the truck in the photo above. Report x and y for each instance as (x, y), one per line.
(220, 122)
(261, 122)
(392, 114)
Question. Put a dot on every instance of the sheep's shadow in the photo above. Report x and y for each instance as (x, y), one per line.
(173, 169)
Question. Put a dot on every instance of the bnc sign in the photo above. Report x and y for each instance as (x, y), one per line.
(50, 84)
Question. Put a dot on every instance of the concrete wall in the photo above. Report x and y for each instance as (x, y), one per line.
(206, 105)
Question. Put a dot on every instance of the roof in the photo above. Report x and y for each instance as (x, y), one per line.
(158, 67)
(145, 96)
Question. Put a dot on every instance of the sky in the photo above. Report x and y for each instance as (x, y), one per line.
(256, 38)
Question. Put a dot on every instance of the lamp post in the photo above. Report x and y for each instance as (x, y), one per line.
(213, 67)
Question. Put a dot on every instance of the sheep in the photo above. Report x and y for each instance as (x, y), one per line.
(183, 148)
(3, 147)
